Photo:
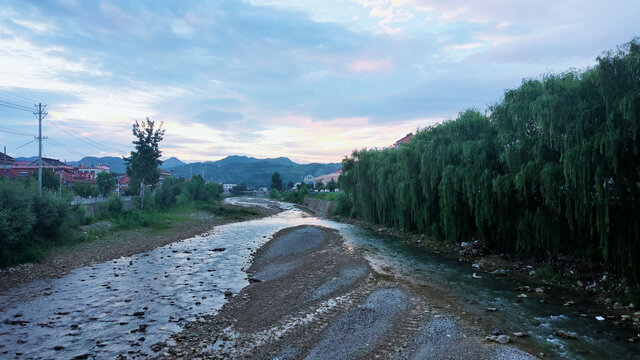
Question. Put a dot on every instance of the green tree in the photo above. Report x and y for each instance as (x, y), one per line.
(331, 185)
(105, 183)
(50, 180)
(143, 163)
(318, 185)
(84, 189)
(276, 182)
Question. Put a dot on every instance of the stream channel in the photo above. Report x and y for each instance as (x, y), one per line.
(122, 307)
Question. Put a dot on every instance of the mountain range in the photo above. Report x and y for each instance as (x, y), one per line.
(230, 170)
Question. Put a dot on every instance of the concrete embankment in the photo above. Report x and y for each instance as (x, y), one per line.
(320, 207)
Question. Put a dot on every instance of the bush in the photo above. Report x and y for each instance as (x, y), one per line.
(344, 206)
(30, 221)
(275, 194)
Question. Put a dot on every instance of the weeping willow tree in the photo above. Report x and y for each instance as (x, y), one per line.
(554, 168)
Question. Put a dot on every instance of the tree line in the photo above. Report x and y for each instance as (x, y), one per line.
(553, 168)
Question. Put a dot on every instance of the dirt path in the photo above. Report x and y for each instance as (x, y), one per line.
(113, 245)
(313, 298)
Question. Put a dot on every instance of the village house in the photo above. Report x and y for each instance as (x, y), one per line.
(325, 179)
(308, 180)
(405, 140)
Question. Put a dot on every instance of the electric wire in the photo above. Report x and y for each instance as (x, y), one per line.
(86, 140)
(23, 145)
(9, 131)
(16, 96)
(16, 107)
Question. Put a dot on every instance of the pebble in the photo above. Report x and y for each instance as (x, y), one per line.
(518, 334)
(503, 339)
(565, 335)
(599, 318)
(569, 303)
(497, 332)
(618, 306)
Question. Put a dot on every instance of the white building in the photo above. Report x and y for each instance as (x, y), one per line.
(228, 187)
(308, 180)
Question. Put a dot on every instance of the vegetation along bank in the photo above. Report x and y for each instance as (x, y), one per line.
(551, 169)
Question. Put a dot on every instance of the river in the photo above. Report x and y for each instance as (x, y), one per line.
(123, 307)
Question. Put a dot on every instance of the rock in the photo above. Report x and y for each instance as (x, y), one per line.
(138, 313)
(82, 357)
(618, 306)
(503, 339)
(476, 276)
(58, 348)
(491, 309)
(219, 249)
(476, 266)
(599, 318)
(631, 306)
(518, 334)
(539, 290)
(565, 335)
(579, 283)
(497, 332)
(625, 317)
(228, 294)
(500, 272)
(569, 303)
(607, 301)
(254, 280)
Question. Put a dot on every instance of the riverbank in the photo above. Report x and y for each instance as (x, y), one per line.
(312, 297)
(574, 280)
(108, 244)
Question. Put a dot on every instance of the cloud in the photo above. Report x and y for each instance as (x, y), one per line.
(310, 79)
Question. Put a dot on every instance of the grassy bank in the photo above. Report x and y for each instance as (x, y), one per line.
(33, 223)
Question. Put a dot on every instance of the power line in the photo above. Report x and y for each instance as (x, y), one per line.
(9, 131)
(23, 145)
(16, 96)
(86, 140)
(16, 107)
(64, 147)
(11, 103)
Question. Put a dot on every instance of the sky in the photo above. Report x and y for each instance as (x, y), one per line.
(311, 80)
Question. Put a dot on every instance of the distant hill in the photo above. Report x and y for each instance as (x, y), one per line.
(252, 171)
(29, 159)
(232, 169)
(171, 163)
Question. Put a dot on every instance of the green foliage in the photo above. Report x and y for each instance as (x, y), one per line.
(275, 194)
(195, 189)
(276, 182)
(319, 185)
(85, 189)
(552, 169)
(143, 163)
(296, 197)
(50, 180)
(332, 185)
(30, 221)
(105, 183)
(289, 185)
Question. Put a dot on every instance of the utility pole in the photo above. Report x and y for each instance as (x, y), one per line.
(41, 115)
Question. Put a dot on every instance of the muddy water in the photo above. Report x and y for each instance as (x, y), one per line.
(123, 307)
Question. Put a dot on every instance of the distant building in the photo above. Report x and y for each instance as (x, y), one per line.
(6, 161)
(308, 180)
(325, 179)
(123, 183)
(228, 187)
(91, 171)
(403, 141)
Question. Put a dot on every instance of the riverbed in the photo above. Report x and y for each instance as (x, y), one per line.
(122, 308)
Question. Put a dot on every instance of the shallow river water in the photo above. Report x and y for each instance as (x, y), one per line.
(123, 307)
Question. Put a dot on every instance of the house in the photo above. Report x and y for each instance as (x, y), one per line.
(325, 179)
(163, 175)
(6, 161)
(308, 180)
(228, 187)
(123, 183)
(91, 171)
(405, 140)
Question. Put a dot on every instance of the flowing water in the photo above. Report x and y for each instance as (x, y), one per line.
(123, 307)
